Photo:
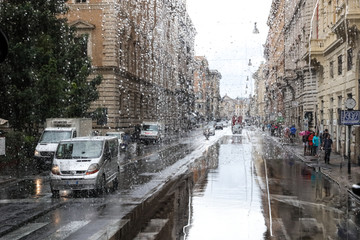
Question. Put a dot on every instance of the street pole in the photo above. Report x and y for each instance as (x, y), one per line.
(349, 154)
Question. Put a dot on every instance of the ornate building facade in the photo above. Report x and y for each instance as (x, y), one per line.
(207, 90)
(145, 52)
(312, 67)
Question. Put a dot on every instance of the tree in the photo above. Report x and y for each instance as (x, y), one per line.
(46, 73)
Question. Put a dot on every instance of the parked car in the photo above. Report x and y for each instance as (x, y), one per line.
(85, 163)
(237, 129)
(219, 125)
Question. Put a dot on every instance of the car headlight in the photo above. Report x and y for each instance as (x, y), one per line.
(94, 168)
(37, 153)
(55, 169)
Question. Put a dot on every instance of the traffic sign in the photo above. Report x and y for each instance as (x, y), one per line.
(350, 117)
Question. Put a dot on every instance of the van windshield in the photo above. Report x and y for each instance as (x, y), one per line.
(150, 127)
(54, 136)
(79, 149)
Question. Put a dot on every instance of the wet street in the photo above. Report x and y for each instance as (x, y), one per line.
(242, 186)
(258, 191)
(229, 200)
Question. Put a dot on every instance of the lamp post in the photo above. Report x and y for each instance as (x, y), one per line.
(350, 103)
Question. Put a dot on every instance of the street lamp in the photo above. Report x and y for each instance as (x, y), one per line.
(256, 30)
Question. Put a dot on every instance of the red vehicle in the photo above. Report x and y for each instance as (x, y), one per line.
(237, 120)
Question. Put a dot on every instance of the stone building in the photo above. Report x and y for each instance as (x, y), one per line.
(227, 107)
(299, 83)
(334, 49)
(274, 55)
(230, 107)
(145, 53)
(260, 91)
(214, 82)
(317, 68)
(291, 85)
(207, 90)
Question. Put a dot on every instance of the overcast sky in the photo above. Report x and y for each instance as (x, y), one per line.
(225, 37)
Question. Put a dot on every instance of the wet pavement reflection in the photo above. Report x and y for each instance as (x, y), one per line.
(227, 204)
(258, 191)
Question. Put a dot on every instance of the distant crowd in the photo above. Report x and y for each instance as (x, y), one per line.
(313, 142)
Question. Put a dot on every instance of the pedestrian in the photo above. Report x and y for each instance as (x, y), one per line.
(316, 144)
(292, 133)
(310, 140)
(324, 136)
(327, 146)
(272, 130)
(305, 143)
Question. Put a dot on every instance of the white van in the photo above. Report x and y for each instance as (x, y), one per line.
(85, 163)
(151, 131)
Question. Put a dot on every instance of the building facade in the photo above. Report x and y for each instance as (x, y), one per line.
(145, 52)
(260, 92)
(335, 47)
(312, 67)
(206, 90)
(274, 55)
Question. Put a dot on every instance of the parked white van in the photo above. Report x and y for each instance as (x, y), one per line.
(85, 163)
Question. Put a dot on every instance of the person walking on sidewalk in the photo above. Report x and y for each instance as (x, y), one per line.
(310, 139)
(316, 143)
(327, 146)
(292, 133)
(305, 143)
(323, 137)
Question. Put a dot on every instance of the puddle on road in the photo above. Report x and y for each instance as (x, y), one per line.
(232, 201)
(227, 204)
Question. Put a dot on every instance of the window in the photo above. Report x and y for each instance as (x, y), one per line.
(82, 42)
(349, 59)
(340, 65)
(331, 69)
(80, 1)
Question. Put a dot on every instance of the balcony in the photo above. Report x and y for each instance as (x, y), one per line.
(316, 50)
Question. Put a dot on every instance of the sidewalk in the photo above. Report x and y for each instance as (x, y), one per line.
(337, 170)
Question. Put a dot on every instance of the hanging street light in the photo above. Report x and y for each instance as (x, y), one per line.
(256, 30)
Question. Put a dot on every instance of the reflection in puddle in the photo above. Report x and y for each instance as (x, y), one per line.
(227, 204)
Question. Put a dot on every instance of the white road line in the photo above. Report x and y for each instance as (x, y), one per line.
(110, 230)
(268, 194)
(66, 230)
(24, 231)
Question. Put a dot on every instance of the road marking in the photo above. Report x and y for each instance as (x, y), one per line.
(110, 230)
(45, 198)
(268, 195)
(24, 231)
(66, 230)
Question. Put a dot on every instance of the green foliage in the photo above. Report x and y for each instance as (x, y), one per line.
(19, 147)
(46, 72)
